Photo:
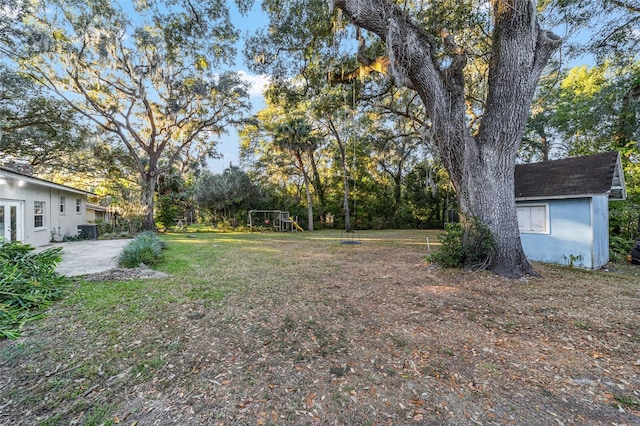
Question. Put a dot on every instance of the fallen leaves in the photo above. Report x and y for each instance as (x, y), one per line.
(364, 335)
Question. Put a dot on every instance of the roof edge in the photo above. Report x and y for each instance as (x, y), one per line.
(44, 182)
(560, 197)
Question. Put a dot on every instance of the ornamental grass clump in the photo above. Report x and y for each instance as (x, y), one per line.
(29, 283)
(146, 248)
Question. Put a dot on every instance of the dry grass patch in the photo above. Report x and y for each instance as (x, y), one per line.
(298, 329)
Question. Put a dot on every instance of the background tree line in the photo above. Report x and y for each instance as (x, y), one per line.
(130, 103)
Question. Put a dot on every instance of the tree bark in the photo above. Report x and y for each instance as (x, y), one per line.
(317, 186)
(307, 189)
(345, 180)
(482, 166)
(150, 181)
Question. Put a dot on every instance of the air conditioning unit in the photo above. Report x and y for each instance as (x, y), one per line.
(88, 232)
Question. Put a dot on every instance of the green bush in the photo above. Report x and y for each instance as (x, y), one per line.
(619, 247)
(103, 227)
(146, 248)
(166, 213)
(468, 247)
(28, 284)
(451, 253)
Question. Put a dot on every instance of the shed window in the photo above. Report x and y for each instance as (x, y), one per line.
(533, 219)
(78, 205)
(38, 214)
(62, 204)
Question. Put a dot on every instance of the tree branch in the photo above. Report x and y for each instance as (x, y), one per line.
(627, 6)
(521, 50)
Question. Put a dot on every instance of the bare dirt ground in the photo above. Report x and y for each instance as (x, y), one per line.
(345, 335)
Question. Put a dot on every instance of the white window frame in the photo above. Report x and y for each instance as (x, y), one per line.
(42, 210)
(530, 227)
(63, 204)
(78, 205)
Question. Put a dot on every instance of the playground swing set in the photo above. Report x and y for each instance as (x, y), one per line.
(281, 221)
(278, 220)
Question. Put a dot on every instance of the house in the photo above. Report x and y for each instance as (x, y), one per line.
(563, 208)
(97, 213)
(36, 211)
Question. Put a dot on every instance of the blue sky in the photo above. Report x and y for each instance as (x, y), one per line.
(229, 143)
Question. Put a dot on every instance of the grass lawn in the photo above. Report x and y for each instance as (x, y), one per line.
(297, 329)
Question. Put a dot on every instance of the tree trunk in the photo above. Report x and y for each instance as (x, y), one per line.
(397, 188)
(150, 180)
(309, 203)
(481, 167)
(307, 189)
(345, 179)
(490, 199)
(627, 121)
(345, 176)
(546, 147)
(317, 186)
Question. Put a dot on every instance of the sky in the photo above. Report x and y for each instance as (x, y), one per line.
(229, 144)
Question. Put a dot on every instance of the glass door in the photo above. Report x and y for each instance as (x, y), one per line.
(13, 222)
(3, 221)
(10, 221)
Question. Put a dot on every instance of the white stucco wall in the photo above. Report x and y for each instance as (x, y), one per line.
(26, 191)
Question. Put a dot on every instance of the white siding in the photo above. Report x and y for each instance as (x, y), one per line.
(26, 191)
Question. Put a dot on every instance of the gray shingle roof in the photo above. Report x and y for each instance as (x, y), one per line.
(572, 177)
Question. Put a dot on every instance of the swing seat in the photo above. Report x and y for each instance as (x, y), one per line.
(350, 240)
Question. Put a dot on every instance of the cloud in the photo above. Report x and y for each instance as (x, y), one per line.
(258, 83)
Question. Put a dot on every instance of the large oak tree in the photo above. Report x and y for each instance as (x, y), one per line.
(480, 164)
(143, 73)
(427, 47)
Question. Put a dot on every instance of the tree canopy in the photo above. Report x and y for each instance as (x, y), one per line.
(370, 102)
(144, 73)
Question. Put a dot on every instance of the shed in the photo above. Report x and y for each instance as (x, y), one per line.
(563, 208)
(35, 211)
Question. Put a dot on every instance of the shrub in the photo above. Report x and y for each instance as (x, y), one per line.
(103, 227)
(451, 253)
(470, 246)
(145, 248)
(619, 247)
(28, 284)
(166, 213)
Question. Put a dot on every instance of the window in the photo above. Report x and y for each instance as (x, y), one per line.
(38, 214)
(78, 205)
(533, 219)
(62, 204)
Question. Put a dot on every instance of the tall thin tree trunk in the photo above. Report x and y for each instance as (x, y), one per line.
(397, 188)
(627, 121)
(148, 193)
(309, 203)
(546, 147)
(307, 189)
(317, 186)
(345, 180)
